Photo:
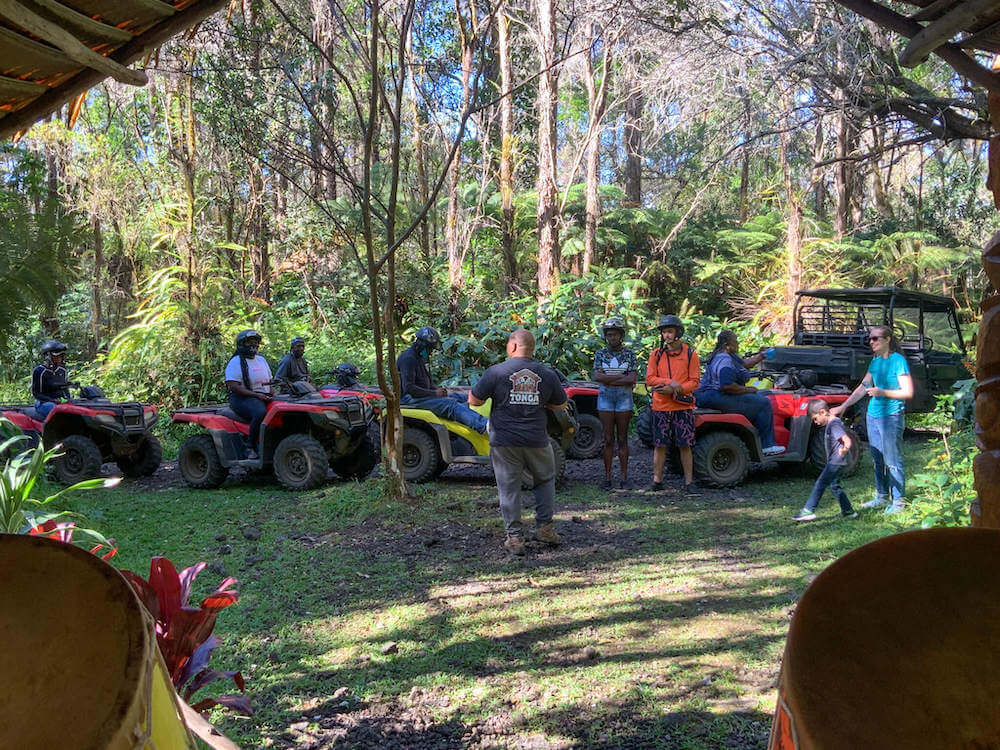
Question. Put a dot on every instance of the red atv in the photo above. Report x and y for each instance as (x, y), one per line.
(726, 444)
(92, 430)
(304, 434)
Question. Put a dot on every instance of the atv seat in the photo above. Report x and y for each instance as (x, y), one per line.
(230, 414)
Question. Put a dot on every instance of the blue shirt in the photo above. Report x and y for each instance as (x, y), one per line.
(724, 369)
(885, 374)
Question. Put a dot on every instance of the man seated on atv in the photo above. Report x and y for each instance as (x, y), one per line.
(248, 379)
(419, 390)
(293, 366)
(49, 381)
(724, 387)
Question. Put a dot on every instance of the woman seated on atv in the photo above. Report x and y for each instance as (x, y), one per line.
(723, 387)
(248, 379)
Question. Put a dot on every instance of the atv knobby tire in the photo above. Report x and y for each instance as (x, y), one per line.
(421, 457)
(80, 459)
(721, 459)
(362, 461)
(644, 427)
(588, 441)
(817, 452)
(199, 463)
(144, 461)
(300, 462)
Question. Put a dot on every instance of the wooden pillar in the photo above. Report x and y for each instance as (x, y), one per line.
(985, 509)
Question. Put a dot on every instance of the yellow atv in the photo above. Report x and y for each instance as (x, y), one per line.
(431, 444)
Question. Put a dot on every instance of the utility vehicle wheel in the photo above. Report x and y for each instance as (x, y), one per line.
(527, 483)
(817, 452)
(144, 461)
(300, 462)
(199, 463)
(589, 438)
(80, 459)
(721, 459)
(421, 458)
(362, 461)
(644, 427)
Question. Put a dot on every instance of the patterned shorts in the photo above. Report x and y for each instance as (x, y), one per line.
(673, 428)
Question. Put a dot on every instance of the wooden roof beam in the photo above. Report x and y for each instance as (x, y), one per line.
(90, 27)
(950, 53)
(51, 100)
(69, 44)
(968, 14)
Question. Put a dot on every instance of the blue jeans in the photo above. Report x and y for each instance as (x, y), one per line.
(885, 438)
(829, 478)
(44, 407)
(454, 407)
(250, 408)
(753, 406)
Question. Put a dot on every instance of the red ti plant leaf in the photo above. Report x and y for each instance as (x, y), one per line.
(184, 632)
(238, 703)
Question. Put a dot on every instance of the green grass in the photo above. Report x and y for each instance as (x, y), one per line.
(685, 601)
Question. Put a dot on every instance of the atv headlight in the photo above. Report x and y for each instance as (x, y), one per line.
(106, 418)
(333, 415)
(149, 417)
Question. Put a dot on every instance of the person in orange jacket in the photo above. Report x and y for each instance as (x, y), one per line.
(672, 374)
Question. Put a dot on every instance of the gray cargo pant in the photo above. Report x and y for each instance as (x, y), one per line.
(511, 465)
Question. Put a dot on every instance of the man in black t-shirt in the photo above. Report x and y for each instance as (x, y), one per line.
(522, 389)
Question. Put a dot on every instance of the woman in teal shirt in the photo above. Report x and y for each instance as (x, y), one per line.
(889, 385)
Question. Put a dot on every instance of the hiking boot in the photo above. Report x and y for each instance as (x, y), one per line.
(605, 484)
(691, 489)
(876, 502)
(849, 514)
(514, 545)
(656, 486)
(804, 515)
(546, 533)
(625, 484)
(773, 450)
(896, 507)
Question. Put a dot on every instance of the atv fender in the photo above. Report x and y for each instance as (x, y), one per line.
(441, 428)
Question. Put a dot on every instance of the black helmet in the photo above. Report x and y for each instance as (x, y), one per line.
(429, 337)
(53, 347)
(296, 341)
(613, 324)
(671, 321)
(244, 342)
(346, 374)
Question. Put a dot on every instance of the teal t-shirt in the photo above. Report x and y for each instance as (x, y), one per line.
(885, 374)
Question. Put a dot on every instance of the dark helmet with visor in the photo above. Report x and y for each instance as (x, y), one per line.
(51, 347)
(296, 341)
(671, 321)
(347, 374)
(613, 324)
(248, 342)
(428, 337)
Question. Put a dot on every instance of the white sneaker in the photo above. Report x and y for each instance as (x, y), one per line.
(804, 515)
(773, 450)
(876, 502)
(894, 509)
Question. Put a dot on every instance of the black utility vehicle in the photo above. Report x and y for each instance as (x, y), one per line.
(830, 337)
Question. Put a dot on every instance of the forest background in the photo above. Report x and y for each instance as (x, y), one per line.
(331, 169)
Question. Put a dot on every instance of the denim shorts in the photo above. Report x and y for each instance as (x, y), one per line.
(614, 398)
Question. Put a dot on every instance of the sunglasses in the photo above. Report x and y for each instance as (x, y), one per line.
(875, 338)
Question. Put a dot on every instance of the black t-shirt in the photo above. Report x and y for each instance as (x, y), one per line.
(521, 388)
(835, 432)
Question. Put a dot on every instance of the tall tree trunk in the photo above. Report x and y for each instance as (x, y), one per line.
(506, 150)
(635, 104)
(453, 243)
(818, 183)
(596, 105)
(547, 218)
(419, 158)
(97, 311)
(793, 220)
